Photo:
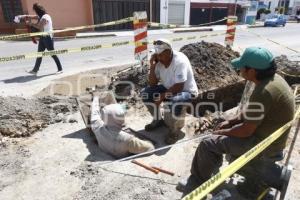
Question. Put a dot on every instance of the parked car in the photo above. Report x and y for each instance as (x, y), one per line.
(275, 20)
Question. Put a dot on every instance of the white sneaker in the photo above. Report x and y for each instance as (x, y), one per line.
(59, 72)
(32, 72)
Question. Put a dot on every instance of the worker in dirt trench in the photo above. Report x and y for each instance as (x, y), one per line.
(271, 106)
(107, 125)
(171, 80)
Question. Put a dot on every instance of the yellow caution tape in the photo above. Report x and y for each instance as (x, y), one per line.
(204, 189)
(154, 24)
(90, 48)
(64, 51)
(25, 35)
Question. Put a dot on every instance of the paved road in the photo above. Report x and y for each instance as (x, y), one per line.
(15, 81)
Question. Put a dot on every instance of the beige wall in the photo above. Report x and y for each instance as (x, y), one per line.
(64, 13)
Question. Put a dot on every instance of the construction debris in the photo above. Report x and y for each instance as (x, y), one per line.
(22, 117)
(290, 70)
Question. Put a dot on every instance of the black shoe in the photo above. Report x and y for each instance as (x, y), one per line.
(154, 124)
(189, 184)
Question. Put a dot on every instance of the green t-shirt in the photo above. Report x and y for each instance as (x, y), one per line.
(271, 106)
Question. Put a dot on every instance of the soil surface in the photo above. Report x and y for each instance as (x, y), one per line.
(61, 159)
(22, 117)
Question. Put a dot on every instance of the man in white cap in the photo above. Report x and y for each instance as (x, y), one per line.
(171, 79)
(107, 125)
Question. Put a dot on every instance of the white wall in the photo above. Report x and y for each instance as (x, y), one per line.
(164, 11)
(187, 12)
(274, 4)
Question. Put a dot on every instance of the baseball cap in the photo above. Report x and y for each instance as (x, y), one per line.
(161, 45)
(254, 57)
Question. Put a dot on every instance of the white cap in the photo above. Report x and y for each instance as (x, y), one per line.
(163, 44)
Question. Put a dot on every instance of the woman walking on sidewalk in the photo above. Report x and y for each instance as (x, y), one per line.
(44, 23)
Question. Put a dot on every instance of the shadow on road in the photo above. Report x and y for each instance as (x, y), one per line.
(91, 143)
(24, 79)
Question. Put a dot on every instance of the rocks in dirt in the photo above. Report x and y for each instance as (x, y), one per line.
(22, 117)
(59, 117)
(290, 70)
(284, 64)
(70, 119)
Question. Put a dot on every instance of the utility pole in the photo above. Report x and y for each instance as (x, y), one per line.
(235, 7)
(151, 10)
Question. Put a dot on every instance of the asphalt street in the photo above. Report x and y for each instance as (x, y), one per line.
(14, 80)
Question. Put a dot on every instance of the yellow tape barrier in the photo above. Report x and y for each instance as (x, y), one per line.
(228, 171)
(121, 21)
(154, 24)
(25, 35)
(93, 47)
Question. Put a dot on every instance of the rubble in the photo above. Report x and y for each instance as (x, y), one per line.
(290, 70)
(22, 117)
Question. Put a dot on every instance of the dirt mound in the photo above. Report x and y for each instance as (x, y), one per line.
(216, 80)
(22, 117)
(211, 64)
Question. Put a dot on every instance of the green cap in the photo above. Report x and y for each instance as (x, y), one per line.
(254, 57)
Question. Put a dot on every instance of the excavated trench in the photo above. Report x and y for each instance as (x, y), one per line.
(219, 85)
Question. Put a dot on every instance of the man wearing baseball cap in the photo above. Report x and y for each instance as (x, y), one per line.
(171, 79)
(271, 105)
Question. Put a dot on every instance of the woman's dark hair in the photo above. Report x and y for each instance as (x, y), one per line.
(265, 73)
(40, 10)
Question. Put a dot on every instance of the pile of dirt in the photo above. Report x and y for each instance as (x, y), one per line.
(211, 64)
(290, 70)
(216, 80)
(22, 117)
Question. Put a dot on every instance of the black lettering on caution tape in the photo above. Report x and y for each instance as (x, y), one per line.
(120, 43)
(51, 53)
(19, 57)
(191, 38)
(177, 39)
(88, 48)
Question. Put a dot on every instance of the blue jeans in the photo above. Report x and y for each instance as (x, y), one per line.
(150, 93)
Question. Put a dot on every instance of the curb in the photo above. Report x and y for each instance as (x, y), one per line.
(94, 36)
(192, 30)
(255, 26)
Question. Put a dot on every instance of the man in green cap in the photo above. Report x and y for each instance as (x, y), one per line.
(271, 105)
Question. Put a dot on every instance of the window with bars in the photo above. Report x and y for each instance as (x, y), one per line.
(10, 9)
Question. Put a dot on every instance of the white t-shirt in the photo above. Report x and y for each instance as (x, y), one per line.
(180, 70)
(48, 26)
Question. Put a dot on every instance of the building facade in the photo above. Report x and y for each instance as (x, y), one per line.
(64, 13)
(71, 13)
